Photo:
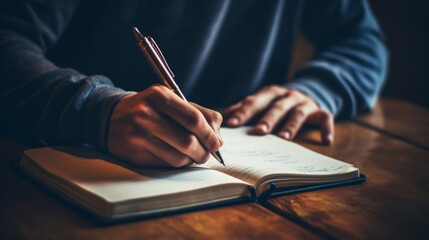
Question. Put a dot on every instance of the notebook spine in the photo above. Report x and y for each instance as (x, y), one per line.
(253, 194)
(263, 198)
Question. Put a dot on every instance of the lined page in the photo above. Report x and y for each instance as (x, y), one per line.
(89, 170)
(251, 157)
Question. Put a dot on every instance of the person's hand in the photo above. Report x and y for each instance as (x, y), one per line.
(283, 110)
(157, 128)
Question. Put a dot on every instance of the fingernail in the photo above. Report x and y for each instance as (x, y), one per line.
(219, 137)
(285, 135)
(233, 121)
(263, 127)
(328, 138)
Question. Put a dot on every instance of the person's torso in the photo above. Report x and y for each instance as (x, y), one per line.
(220, 51)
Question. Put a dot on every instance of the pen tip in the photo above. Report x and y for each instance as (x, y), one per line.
(219, 158)
(137, 34)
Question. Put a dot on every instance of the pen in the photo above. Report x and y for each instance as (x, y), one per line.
(154, 55)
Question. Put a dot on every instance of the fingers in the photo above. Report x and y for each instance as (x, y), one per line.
(170, 134)
(185, 115)
(295, 121)
(275, 114)
(286, 111)
(326, 122)
(254, 104)
(213, 118)
(157, 128)
(150, 151)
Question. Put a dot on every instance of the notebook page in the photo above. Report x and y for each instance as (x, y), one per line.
(250, 157)
(90, 171)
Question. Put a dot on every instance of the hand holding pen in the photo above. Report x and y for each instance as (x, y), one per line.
(154, 55)
(157, 128)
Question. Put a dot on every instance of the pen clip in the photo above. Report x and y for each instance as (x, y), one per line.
(161, 56)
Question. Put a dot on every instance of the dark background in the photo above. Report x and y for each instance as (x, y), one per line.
(406, 27)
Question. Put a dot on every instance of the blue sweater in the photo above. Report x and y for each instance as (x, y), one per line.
(65, 63)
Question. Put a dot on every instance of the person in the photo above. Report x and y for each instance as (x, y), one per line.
(229, 56)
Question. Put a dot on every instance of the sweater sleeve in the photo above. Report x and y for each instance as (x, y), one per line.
(41, 102)
(347, 72)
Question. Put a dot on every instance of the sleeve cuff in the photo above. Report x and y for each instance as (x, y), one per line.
(97, 118)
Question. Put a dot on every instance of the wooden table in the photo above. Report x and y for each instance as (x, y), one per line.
(401, 120)
(393, 203)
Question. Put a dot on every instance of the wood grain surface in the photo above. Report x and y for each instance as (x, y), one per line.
(401, 119)
(388, 146)
(392, 204)
(28, 211)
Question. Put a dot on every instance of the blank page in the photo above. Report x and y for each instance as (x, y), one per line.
(103, 176)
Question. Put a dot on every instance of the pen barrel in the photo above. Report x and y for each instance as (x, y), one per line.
(161, 70)
(157, 61)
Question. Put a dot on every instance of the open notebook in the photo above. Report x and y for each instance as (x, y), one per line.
(257, 167)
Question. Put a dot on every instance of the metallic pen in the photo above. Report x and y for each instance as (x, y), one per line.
(154, 55)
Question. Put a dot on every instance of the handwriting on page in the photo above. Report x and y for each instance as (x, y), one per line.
(263, 154)
(252, 157)
(314, 169)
